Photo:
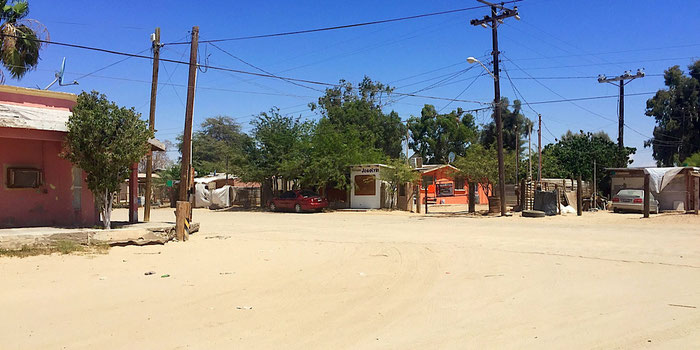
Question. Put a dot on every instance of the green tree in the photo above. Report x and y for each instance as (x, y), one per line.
(512, 121)
(360, 109)
(434, 136)
(479, 165)
(333, 150)
(105, 140)
(398, 174)
(20, 37)
(693, 160)
(218, 142)
(574, 153)
(676, 111)
(282, 146)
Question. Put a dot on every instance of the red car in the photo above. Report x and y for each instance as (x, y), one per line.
(299, 201)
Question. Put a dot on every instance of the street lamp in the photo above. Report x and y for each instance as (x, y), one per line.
(473, 60)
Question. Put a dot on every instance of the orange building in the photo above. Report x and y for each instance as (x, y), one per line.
(444, 187)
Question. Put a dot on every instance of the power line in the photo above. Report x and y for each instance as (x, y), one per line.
(260, 69)
(345, 26)
(462, 92)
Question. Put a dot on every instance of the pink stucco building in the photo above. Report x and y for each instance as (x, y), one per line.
(38, 187)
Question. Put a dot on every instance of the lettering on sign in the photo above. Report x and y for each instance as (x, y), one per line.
(369, 170)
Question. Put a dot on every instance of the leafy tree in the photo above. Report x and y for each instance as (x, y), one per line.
(479, 165)
(19, 52)
(676, 111)
(512, 121)
(218, 142)
(398, 174)
(574, 153)
(693, 160)
(105, 140)
(360, 109)
(434, 135)
(282, 146)
(332, 151)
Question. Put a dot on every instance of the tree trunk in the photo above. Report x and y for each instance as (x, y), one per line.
(107, 210)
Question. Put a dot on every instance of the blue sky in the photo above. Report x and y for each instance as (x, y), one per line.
(553, 39)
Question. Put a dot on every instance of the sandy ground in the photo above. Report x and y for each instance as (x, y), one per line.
(374, 280)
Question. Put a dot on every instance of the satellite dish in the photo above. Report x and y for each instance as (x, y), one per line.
(451, 157)
(59, 76)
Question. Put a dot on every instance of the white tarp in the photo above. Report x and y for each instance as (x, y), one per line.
(659, 178)
(201, 196)
(220, 197)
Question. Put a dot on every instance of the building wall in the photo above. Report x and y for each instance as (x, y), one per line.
(376, 200)
(446, 176)
(62, 200)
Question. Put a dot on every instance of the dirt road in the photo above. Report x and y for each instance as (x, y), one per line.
(376, 280)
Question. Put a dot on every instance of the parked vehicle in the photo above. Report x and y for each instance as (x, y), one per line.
(298, 201)
(632, 199)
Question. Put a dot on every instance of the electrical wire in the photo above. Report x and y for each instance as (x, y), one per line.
(345, 26)
(462, 92)
(260, 69)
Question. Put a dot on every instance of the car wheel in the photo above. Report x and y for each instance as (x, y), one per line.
(615, 210)
(273, 207)
(297, 208)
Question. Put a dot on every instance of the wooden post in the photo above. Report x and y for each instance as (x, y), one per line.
(523, 196)
(472, 197)
(687, 192)
(134, 194)
(151, 124)
(182, 221)
(646, 195)
(579, 197)
(426, 199)
(696, 184)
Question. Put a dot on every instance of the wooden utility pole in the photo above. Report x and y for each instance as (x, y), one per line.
(621, 84)
(579, 196)
(529, 154)
(152, 124)
(189, 110)
(646, 195)
(517, 153)
(539, 147)
(498, 14)
(595, 186)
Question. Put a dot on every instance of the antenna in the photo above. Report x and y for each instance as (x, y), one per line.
(59, 77)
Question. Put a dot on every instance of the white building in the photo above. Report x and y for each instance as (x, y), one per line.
(368, 190)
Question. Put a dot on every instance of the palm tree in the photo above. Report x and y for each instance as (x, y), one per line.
(20, 36)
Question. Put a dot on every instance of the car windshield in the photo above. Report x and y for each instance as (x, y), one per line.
(307, 194)
(631, 193)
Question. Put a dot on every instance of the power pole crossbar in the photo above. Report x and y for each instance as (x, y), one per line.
(621, 80)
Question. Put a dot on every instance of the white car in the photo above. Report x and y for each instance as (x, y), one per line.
(632, 199)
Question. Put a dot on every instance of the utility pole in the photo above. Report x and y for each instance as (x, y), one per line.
(152, 123)
(493, 21)
(621, 84)
(189, 110)
(539, 147)
(529, 154)
(517, 153)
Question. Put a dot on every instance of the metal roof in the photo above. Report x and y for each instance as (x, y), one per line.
(37, 118)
